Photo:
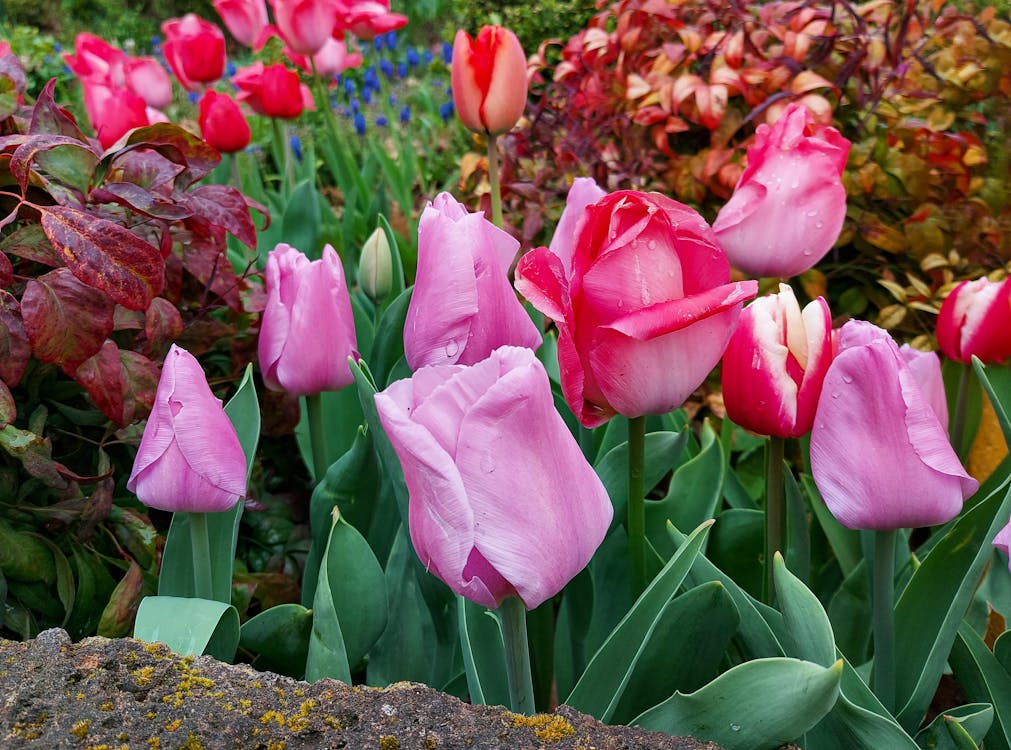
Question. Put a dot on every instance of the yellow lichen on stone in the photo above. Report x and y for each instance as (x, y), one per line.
(154, 742)
(142, 676)
(107, 706)
(333, 722)
(388, 742)
(30, 730)
(546, 728)
(80, 729)
(192, 743)
(173, 725)
(277, 745)
(272, 716)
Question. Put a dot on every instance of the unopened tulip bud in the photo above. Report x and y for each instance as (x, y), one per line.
(375, 267)
(489, 76)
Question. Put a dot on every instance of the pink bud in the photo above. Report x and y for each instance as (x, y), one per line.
(489, 76)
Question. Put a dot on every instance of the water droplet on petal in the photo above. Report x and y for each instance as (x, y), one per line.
(819, 224)
(794, 185)
(488, 463)
(452, 348)
(847, 379)
(835, 394)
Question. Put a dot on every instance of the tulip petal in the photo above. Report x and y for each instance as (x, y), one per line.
(584, 191)
(520, 517)
(541, 279)
(667, 317)
(467, 91)
(172, 484)
(926, 369)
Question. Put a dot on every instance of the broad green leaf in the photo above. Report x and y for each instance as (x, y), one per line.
(845, 542)
(662, 452)
(961, 728)
(934, 602)
(243, 411)
(737, 546)
(798, 535)
(810, 633)
(849, 611)
(996, 381)
(399, 283)
(684, 650)
(953, 372)
(483, 654)
(279, 637)
(189, 626)
(301, 220)
(342, 416)
(758, 705)
(984, 680)
(327, 655)
(599, 689)
(388, 342)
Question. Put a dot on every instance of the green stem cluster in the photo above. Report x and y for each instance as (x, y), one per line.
(493, 179)
(883, 599)
(637, 504)
(775, 516)
(517, 653)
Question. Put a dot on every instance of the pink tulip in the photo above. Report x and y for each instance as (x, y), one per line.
(367, 19)
(775, 364)
(975, 321)
(879, 454)
(94, 59)
(195, 50)
(305, 24)
(789, 204)
(222, 123)
(333, 58)
(308, 331)
(502, 501)
(147, 78)
(113, 111)
(189, 458)
(244, 19)
(463, 306)
(645, 310)
(272, 90)
(489, 77)
(926, 370)
(1003, 541)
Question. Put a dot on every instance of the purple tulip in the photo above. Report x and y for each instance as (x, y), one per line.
(502, 502)
(880, 454)
(308, 330)
(463, 305)
(190, 458)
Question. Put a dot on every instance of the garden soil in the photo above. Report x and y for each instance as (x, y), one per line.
(124, 693)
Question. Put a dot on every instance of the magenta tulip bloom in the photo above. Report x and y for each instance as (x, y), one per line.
(975, 321)
(880, 455)
(189, 458)
(502, 501)
(113, 111)
(775, 364)
(463, 306)
(147, 78)
(308, 331)
(195, 50)
(788, 207)
(244, 19)
(367, 19)
(222, 123)
(271, 90)
(489, 77)
(644, 309)
(305, 24)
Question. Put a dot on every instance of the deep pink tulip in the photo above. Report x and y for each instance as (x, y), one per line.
(645, 310)
(305, 24)
(146, 77)
(789, 204)
(244, 19)
(489, 77)
(113, 111)
(975, 321)
(222, 123)
(879, 454)
(333, 58)
(463, 305)
(94, 59)
(367, 19)
(195, 50)
(272, 90)
(307, 331)
(189, 458)
(502, 501)
(775, 363)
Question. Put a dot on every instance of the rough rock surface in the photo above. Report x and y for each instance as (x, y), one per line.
(110, 694)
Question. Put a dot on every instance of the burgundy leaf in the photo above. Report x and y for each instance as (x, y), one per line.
(30, 243)
(225, 207)
(140, 378)
(27, 152)
(50, 118)
(66, 320)
(146, 169)
(12, 85)
(6, 271)
(178, 145)
(163, 324)
(140, 200)
(8, 409)
(207, 261)
(102, 377)
(14, 348)
(105, 255)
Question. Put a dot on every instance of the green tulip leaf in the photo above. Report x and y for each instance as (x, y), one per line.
(849, 611)
(279, 637)
(1002, 650)
(983, 679)
(684, 650)
(996, 381)
(794, 696)
(483, 654)
(809, 633)
(600, 687)
(388, 342)
(327, 655)
(189, 626)
(662, 452)
(301, 219)
(737, 546)
(341, 414)
(177, 576)
(845, 543)
(798, 535)
(961, 728)
(936, 598)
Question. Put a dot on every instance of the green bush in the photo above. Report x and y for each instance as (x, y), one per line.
(553, 19)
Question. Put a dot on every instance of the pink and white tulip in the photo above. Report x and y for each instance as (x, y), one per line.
(975, 321)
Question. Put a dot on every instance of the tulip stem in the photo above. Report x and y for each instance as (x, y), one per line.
(282, 151)
(317, 435)
(961, 406)
(884, 617)
(493, 179)
(637, 504)
(774, 515)
(517, 655)
(203, 581)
